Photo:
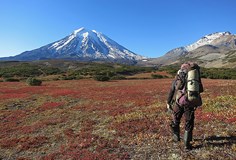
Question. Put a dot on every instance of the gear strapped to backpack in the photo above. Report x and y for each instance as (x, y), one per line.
(188, 85)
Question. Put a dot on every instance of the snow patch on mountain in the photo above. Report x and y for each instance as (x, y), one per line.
(206, 40)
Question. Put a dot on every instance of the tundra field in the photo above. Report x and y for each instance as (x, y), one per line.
(124, 119)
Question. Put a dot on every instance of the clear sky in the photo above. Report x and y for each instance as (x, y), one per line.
(147, 27)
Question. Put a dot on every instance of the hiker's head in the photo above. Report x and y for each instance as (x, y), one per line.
(185, 66)
(183, 69)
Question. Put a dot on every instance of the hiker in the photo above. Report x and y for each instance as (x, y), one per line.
(184, 97)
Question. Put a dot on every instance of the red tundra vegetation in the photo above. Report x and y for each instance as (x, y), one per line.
(126, 119)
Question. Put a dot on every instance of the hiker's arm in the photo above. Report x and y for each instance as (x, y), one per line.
(171, 93)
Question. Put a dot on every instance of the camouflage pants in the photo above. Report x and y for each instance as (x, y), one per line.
(188, 113)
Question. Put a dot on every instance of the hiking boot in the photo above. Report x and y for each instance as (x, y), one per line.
(175, 130)
(187, 139)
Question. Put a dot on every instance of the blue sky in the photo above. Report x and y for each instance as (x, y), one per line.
(147, 27)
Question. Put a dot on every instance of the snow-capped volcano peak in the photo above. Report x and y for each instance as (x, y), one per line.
(78, 30)
(82, 31)
(86, 44)
(206, 40)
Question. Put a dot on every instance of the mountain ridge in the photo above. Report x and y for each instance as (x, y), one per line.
(213, 50)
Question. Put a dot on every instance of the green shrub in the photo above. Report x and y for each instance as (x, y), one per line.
(218, 73)
(33, 81)
(102, 78)
(172, 69)
(118, 77)
(50, 70)
(157, 76)
(67, 77)
(78, 77)
(11, 80)
(27, 70)
(22, 70)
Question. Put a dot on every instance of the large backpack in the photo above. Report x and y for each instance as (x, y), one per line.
(189, 85)
(194, 84)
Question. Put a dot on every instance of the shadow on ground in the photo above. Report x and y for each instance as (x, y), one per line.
(216, 141)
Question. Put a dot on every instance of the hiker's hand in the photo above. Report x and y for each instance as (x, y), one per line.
(195, 108)
(168, 107)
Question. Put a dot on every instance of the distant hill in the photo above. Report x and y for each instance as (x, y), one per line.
(83, 45)
(213, 50)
